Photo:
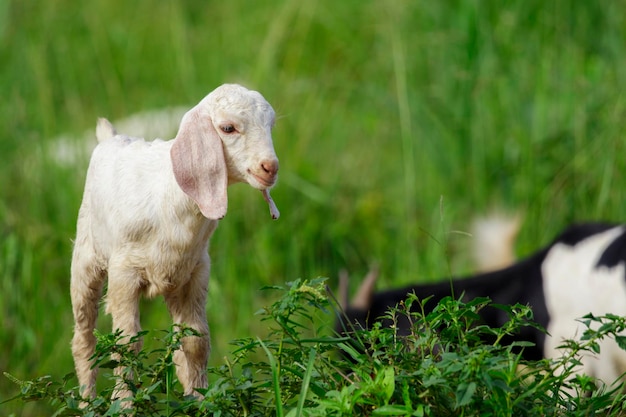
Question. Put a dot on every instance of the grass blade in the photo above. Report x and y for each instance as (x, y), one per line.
(305, 381)
(275, 378)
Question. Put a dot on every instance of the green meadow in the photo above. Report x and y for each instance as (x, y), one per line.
(398, 123)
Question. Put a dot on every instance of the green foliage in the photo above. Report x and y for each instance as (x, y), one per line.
(398, 122)
(443, 368)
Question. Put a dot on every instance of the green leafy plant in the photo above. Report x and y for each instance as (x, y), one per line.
(443, 367)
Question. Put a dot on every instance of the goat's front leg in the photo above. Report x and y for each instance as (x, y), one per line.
(187, 306)
(123, 305)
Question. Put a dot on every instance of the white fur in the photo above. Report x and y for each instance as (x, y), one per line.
(148, 211)
(574, 286)
(494, 241)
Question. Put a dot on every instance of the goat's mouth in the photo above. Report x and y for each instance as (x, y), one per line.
(264, 181)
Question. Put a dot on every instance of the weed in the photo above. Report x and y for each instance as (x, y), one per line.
(443, 368)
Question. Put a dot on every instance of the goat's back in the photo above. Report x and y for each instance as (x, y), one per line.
(133, 208)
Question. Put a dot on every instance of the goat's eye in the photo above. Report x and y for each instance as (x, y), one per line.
(227, 128)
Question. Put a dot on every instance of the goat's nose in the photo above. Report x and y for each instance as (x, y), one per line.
(270, 166)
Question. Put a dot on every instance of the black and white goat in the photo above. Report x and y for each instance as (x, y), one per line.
(582, 271)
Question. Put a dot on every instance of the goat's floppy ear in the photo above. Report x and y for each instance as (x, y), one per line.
(199, 164)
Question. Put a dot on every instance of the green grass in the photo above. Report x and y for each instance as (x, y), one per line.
(398, 121)
(444, 367)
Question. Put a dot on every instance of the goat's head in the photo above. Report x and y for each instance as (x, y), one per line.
(226, 138)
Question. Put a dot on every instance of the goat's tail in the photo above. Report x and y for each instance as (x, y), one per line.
(104, 130)
(494, 241)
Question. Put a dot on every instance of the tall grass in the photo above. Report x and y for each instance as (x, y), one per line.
(398, 122)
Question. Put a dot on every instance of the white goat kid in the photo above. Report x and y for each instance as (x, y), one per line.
(148, 211)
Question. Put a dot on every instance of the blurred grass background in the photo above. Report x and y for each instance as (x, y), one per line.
(399, 121)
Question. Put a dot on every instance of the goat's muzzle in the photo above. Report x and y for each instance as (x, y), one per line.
(266, 173)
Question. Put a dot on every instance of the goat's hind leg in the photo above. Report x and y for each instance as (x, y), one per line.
(187, 307)
(122, 297)
(86, 284)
